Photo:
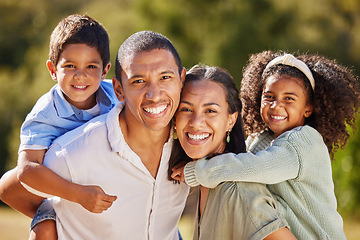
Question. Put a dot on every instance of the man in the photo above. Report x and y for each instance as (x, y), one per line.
(126, 151)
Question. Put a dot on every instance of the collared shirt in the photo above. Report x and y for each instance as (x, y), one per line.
(53, 115)
(97, 154)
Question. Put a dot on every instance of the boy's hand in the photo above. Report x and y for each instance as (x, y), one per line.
(94, 199)
(178, 172)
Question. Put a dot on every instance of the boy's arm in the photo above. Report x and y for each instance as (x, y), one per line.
(274, 165)
(37, 176)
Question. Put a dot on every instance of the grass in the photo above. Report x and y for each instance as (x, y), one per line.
(15, 226)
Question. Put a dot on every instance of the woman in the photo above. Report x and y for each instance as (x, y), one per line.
(207, 124)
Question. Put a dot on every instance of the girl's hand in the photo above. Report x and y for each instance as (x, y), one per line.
(178, 172)
(94, 199)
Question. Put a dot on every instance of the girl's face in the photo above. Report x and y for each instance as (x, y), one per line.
(284, 104)
(202, 119)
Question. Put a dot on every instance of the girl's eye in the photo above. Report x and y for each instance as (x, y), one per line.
(268, 97)
(289, 99)
(69, 66)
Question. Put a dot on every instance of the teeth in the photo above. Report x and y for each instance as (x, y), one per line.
(198, 137)
(156, 110)
(79, 87)
(278, 117)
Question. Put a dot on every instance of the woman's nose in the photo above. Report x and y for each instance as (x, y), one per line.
(197, 120)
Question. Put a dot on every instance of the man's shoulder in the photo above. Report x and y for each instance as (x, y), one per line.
(86, 131)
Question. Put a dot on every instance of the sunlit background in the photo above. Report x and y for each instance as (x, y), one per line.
(213, 32)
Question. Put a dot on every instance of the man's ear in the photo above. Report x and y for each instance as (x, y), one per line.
(52, 69)
(118, 89)
(182, 75)
(105, 71)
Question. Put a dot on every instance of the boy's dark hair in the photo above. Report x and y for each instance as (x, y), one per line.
(140, 42)
(222, 77)
(76, 29)
(335, 98)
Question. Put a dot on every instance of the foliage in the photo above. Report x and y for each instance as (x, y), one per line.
(213, 32)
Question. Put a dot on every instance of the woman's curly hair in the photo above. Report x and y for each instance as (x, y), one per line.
(335, 98)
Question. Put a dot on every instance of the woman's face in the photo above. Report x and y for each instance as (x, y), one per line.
(202, 119)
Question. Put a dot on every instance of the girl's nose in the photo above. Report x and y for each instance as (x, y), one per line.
(276, 104)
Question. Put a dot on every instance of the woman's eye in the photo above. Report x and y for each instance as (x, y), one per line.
(185, 109)
(211, 111)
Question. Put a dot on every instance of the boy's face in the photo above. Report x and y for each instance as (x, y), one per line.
(79, 72)
(151, 86)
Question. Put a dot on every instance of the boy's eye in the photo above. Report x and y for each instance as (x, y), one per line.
(92, 66)
(69, 66)
(289, 99)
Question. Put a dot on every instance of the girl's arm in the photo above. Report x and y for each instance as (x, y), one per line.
(278, 163)
(37, 176)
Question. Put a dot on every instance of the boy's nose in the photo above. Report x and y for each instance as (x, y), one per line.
(80, 73)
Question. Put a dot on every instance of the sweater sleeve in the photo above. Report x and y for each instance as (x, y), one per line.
(278, 163)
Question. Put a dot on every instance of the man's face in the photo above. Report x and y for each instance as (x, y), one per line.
(151, 86)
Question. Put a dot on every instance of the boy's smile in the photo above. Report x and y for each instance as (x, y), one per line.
(79, 72)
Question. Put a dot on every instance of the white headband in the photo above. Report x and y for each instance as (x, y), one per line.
(290, 60)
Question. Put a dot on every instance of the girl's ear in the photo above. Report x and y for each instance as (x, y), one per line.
(52, 69)
(308, 110)
(118, 89)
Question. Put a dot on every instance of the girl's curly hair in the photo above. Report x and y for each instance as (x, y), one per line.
(335, 98)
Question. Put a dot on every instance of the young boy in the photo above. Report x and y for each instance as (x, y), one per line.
(79, 60)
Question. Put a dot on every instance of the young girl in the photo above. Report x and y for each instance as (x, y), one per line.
(207, 123)
(305, 103)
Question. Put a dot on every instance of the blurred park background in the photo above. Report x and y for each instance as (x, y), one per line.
(213, 32)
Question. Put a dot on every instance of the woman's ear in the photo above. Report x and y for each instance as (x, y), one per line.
(232, 119)
(52, 69)
(118, 89)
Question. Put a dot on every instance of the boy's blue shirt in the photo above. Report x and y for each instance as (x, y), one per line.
(52, 116)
